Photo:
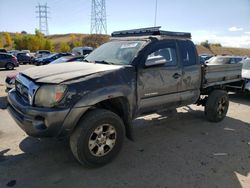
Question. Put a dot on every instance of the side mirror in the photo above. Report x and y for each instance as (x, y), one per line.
(154, 61)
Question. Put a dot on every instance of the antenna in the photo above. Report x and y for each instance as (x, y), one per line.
(43, 18)
(98, 17)
(156, 10)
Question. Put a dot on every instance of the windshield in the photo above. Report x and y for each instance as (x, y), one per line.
(246, 64)
(210, 59)
(116, 52)
(49, 56)
(60, 60)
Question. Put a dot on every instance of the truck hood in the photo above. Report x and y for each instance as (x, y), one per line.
(246, 73)
(58, 73)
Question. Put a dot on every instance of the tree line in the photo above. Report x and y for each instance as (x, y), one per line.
(24, 41)
(208, 45)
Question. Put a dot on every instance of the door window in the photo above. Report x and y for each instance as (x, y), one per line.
(235, 60)
(5, 56)
(187, 52)
(163, 56)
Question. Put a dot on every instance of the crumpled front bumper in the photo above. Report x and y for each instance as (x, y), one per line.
(43, 122)
(37, 122)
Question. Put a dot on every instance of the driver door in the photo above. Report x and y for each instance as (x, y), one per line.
(160, 79)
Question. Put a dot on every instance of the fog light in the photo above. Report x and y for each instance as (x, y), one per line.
(39, 123)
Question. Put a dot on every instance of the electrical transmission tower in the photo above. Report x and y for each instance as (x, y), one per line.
(98, 17)
(42, 11)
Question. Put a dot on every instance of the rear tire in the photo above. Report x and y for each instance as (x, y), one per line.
(217, 105)
(98, 138)
(9, 66)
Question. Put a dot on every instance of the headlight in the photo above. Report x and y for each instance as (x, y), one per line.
(12, 81)
(50, 95)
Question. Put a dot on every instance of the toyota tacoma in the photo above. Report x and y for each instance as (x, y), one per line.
(137, 72)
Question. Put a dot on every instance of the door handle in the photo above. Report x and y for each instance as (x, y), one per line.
(176, 75)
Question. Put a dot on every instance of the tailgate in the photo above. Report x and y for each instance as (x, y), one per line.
(221, 74)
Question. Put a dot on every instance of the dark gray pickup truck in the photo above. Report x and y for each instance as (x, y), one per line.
(138, 72)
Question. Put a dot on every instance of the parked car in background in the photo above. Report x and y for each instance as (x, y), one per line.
(3, 50)
(50, 58)
(207, 61)
(10, 79)
(27, 51)
(14, 52)
(66, 59)
(205, 57)
(8, 61)
(23, 58)
(222, 60)
(244, 84)
(42, 53)
(246, 74)
(82, 50)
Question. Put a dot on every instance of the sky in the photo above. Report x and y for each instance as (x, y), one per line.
(218, 21)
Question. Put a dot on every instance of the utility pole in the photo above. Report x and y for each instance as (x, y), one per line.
(98, 17)
(156, 10)
(42, 11)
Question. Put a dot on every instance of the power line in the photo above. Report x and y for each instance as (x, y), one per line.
(42, 11)
(98, 17)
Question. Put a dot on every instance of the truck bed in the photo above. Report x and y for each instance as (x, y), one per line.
(220, 74)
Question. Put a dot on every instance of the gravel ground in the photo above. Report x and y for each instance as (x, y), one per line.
(170, 150)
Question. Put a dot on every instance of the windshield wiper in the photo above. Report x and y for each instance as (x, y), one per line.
(104, 62)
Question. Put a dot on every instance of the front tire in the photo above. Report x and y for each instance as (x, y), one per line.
(98, 138)
(217, 105)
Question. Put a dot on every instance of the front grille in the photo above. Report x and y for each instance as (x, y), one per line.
(25, 88)
(22, 91)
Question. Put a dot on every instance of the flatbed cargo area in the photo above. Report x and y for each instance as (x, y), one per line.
(220, 74)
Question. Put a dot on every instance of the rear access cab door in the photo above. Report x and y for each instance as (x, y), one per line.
(189, 90)
(158, 85)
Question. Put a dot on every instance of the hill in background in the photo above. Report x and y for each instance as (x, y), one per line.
(56, 39)
(223, 50)
(67, 38)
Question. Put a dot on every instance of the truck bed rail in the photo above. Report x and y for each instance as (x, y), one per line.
(220, 74)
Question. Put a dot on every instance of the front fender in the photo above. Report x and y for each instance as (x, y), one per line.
(103, 94)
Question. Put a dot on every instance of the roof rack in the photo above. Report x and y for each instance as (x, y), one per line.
(149, 31)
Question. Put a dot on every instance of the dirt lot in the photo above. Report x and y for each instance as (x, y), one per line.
(170, 150)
